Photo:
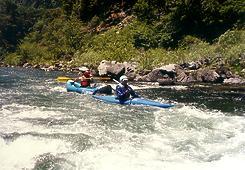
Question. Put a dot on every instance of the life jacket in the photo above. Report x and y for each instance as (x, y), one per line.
(85, 79)
(124, 92)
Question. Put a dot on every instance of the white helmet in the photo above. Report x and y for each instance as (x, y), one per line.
(83, 68)
(122, 78)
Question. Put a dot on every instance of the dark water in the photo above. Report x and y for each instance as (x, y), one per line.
(44, 127)
(228, 101)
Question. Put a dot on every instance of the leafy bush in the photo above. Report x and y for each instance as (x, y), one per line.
(90, 57)
(13, 59)
(231, 45)
(231, 37)
(113, 45)
(35, 54)
(57, 40)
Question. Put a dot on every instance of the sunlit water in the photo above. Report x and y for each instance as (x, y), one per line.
(44, 127)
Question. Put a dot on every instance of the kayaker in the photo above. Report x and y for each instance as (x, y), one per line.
(124, 91)
(85, 77)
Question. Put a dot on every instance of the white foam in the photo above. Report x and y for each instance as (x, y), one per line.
(126, 157)
(58, 88)
(179, 138)
(21, 152)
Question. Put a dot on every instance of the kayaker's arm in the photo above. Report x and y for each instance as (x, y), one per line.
(133, 93)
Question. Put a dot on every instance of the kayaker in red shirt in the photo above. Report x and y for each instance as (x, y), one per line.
(85, 77)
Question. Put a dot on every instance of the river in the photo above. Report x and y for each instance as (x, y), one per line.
(44, 127)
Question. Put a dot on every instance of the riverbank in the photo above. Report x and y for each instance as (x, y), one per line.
(193, 74)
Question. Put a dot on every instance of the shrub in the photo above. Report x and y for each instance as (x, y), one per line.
(90, 57)
(35, 54)
(112, 45)
(231, 37)
(231, 46)
(13, 59)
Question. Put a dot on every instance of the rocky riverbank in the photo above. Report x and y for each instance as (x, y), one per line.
(197, 72)
(194, 72)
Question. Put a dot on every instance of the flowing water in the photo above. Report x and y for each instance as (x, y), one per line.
(44, 127)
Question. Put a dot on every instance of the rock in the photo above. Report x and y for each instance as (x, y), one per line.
(224, 72)
(165, 81)
(184, 65)
(144, 72)
(181, 77)
(206, 75)
(194, 65)
(165, 74)
(168, 68)
(115, 70)
(154, 75)
(26, 65)
(58, 65)
(130, 70)
(184, 78)
(102, 68)
(36, 66)
(236, 80)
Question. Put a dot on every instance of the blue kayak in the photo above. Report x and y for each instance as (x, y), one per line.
(72, 86)
(135, 101)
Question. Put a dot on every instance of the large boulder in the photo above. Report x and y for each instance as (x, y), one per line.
(170, 68)
(209, 76)
(184, 77)
(102, 68)
(152, 76)
(224, 72)
(115, 70)
(166, 72)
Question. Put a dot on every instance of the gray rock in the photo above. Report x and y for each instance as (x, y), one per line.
(206, 75)
(153, 76)
(116, 70)
(184, 78)
(168, 68)
(194, 65)
(27, 65)
(236, 80)
(102, 68)
(165, 81)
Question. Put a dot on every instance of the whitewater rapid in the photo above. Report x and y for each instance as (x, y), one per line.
(44, 127)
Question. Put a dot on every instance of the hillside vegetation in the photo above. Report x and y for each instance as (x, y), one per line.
(149, 32)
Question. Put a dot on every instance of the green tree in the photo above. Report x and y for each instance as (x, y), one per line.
(17, 18)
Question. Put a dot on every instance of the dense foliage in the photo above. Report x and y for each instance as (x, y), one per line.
(159, 31)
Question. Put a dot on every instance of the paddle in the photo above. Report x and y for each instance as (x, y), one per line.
(116, 81)
(65, 79)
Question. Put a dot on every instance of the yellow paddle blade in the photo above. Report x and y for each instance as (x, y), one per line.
(63, 79)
